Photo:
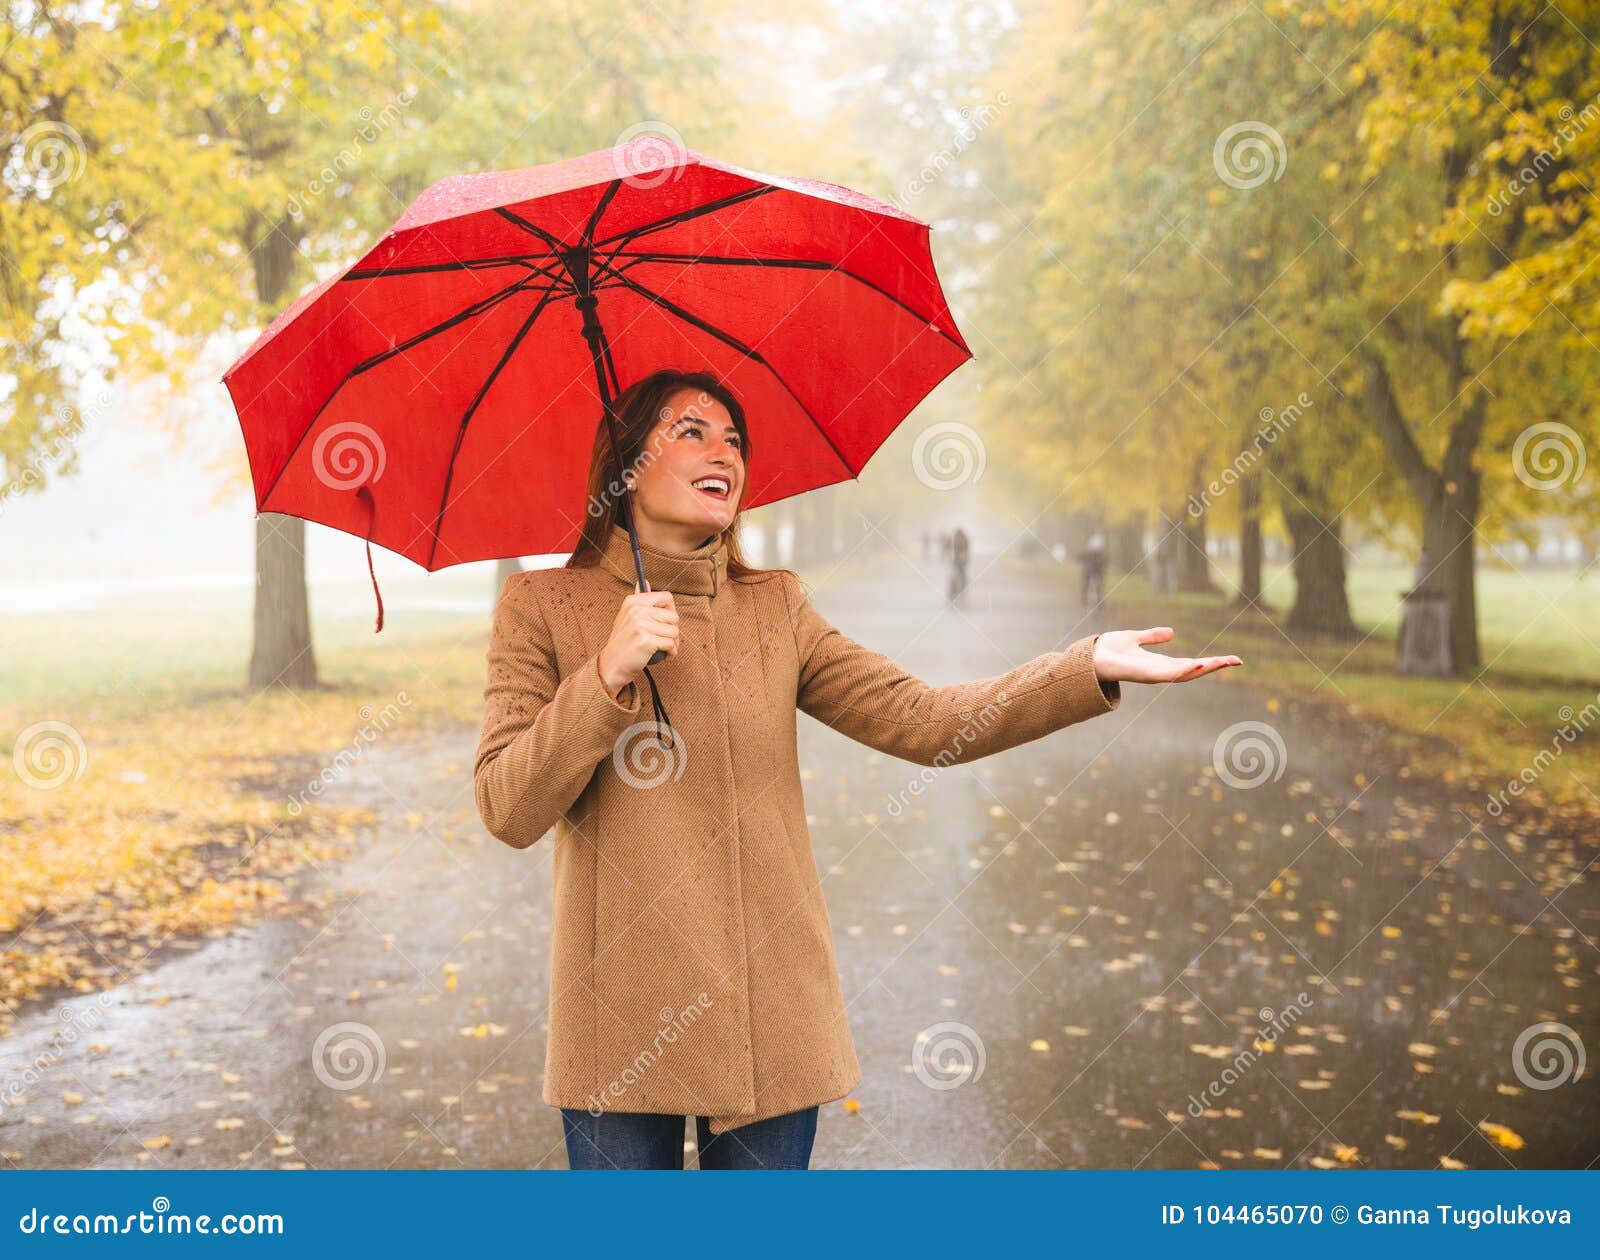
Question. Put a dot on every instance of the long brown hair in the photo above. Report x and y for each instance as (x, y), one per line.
(638, 409)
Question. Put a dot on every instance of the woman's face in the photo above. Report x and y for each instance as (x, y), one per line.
(691, 471)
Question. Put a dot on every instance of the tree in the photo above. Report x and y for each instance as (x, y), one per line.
(239, 155)
(1467, 255)
(84, 171)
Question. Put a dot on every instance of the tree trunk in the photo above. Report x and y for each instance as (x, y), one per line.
(799, 533)
(1250, 542)
(1194, 565)
(813, 543)
(827, 505)
(282, 654)
(1164, 558)
(784, 524)
(503, 571)
(1448, 495)
(1449, 561)
(1125, 545)
(1321, 605)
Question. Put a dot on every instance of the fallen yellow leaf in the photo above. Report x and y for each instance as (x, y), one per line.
(1507, 1138)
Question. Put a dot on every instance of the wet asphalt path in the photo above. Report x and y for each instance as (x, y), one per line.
(1089, 951)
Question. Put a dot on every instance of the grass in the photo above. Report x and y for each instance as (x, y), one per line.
(126, 653)
(158, 647)
(159, 799)
(155, 795)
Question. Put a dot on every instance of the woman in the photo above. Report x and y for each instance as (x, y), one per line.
(692, 968)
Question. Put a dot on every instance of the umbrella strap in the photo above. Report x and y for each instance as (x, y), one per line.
(660, 711)
(372, 514)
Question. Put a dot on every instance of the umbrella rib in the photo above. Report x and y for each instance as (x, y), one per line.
(804, 264)
(599, 209)
(477, 308)
(683, 216)
(466, 264)
(466, 419)
(735, 343)
(531, 228)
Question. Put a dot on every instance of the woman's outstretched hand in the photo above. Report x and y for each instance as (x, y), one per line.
(1119, 656)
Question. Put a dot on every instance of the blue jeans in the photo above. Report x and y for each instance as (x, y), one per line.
(617, 1139)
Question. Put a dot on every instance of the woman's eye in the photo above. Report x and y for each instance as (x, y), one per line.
(698, 431)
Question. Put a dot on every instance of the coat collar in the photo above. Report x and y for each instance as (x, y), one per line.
(698, 572)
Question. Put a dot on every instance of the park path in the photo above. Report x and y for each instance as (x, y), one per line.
(1087, 951)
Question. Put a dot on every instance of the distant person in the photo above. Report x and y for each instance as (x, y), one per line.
(1092, 559)
(960, 550)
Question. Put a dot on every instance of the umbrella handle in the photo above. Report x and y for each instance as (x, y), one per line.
(660, 654)
(595, 336)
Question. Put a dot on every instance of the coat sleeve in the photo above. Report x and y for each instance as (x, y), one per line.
(871, 699)
(543, 735)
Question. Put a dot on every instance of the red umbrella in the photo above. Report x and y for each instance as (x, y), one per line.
(439, 397)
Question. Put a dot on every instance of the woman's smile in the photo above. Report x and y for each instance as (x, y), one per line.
(715, 485)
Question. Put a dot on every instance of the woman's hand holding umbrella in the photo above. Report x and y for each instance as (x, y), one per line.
(1119, 656)
(646, 622)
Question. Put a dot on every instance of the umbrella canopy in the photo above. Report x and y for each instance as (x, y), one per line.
(440, 397)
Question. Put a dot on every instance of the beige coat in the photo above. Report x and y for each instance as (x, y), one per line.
(692, 966)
